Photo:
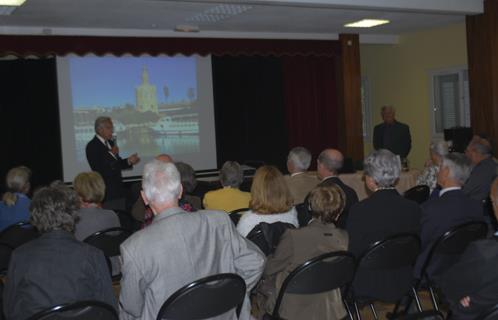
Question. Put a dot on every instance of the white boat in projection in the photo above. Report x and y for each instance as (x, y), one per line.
(176, 125)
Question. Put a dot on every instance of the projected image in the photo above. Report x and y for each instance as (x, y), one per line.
(152, 101)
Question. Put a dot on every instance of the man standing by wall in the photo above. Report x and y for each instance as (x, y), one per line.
(391, 134)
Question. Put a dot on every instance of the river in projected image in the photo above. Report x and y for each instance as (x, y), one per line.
(150, 145)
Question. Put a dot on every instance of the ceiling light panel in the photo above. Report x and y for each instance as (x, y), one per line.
(11, 2)
(219, 13)
(366, 23)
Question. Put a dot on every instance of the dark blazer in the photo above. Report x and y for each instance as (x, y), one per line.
(474, 275)
(383, 214)
(55, 269)
(438, 216)
(400, 140)
(103, 162)
(480, 179)
(351, 198)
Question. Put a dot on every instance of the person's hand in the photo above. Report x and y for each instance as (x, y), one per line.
(133, 159)
(465, 301)
(115, 150)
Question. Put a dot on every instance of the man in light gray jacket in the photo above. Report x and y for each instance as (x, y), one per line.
(178, 248)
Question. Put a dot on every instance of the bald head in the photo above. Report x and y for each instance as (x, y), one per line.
(388, 113)
(166, 158)
(329, 162)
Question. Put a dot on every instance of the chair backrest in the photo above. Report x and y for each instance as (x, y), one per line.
(423, 315)
(108, 240)
(324, 273)
(267, 235)
(18, 234)
(418, 193)
(81, 310)
(397, 251)
(456, 240)
(236, 214)
(491, 314)
(205, 298)
(5, 253)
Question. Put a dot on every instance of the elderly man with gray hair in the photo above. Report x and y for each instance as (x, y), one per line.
(450, 209)
(178, 248)
(299, 181)
(479, 152)
(229, 197)
(471, 285)
(437, 150)
(378, 217)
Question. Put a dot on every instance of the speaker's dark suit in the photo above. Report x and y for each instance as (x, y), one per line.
(438, 216)
(100, 160)
(474, 275)
(351, 198)
(398, 139)
(383, 214)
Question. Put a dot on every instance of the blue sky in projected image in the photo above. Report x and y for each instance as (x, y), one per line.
(111, 81)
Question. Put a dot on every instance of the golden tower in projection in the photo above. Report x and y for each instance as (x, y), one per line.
(146, 94)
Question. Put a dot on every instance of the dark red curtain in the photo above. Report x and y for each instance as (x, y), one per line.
(310, 96)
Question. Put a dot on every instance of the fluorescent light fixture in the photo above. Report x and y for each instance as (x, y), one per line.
(366, 23)
(14, 3)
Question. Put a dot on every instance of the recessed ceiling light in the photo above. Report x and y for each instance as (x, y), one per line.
(11, 2)
(366, 23)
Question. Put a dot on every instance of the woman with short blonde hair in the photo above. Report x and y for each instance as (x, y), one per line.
(90, 188)
(14, 206)
(271, 201)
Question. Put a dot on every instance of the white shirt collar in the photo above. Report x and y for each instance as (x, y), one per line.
(296, 173)
(443, 191)
(101, 139)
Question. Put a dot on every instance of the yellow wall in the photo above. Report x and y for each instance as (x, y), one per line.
(398, 75)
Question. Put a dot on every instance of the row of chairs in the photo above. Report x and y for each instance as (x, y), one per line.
(204, 298)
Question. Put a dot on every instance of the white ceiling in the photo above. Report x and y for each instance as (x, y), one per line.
(285, 19)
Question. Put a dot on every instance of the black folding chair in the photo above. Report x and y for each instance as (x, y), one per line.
(108, 241)
(267, 235)
(394, 253)
(491, 314)
(451, 244)
(419, 193)
(329, 271)
(18, 234)
(423, 315)
(5, 253)
(205, 298)
(81, 310)
(236, 214)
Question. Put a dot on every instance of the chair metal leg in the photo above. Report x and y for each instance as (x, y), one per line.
(417, 300)
(348, 309)
(358, 316)
(433, 298)
(374, 312)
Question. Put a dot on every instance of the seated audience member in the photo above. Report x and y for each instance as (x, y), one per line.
(141, 211)
(437, 150)
(178, 248)
(271, 201)
(329, 162)
(14, 206)
(385, 213)
(296, 247)
(299, 181)
(189, 182)
(484, 171)
(55, 268)
(90, 188)
(229, 197)
(471, 285)
(449, 210)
